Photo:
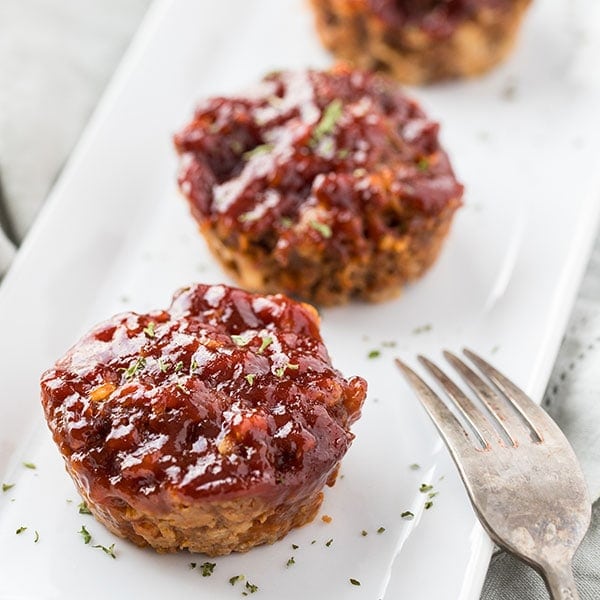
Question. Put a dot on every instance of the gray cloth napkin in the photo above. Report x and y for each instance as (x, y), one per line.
(55, 58)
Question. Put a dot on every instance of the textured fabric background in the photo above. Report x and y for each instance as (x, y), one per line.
(56, 56)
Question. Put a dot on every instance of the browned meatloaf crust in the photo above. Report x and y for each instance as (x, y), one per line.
(420, 41)
(323, 185)
(211, 426)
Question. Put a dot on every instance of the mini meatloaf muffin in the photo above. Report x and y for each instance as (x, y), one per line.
(323, 185)
(420, 41)
(212, 426)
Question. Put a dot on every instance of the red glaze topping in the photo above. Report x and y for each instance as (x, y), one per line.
(438, 18)
(320, 156)
(225, 393)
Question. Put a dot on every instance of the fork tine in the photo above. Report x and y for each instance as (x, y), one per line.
(537, 419)
(490, 399)
(474, 417)
(448, 426)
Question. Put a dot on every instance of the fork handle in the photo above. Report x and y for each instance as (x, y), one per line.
(561, 583)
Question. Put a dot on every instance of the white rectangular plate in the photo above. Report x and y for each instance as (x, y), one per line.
(116, 236)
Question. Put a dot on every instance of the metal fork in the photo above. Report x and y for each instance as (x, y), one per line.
(520, 471)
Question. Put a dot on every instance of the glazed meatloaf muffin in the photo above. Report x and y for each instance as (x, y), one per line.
(323, 185)
(420, 41)
(212, 426)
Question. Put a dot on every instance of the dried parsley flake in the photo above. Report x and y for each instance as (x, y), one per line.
(251, 588)
(149, 329)
(331, 115)
(83, 509)
(239, 340)
(207, 568)
(257, 151)
(266, 342)
(87, 536)
(322, 228)
(110, 550)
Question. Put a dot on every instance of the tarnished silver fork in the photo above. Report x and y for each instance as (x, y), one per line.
(520, 471)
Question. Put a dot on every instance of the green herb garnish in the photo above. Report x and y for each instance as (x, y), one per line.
(374, 354)
(239, 340)
(266, 341)
(248, 216)
(7, 486)
(233, 580)
(331, 115)
(423, 164)
(162, 365)
(87, 536)
(193, 565)
(21, 529)
(250, 378)
(149, 329)
(326, 147)
(286, 222)
(207, 568)
(110, 550)
(291, 561)
(428, 504)
(381, 530)
(408, 515)
(321, 228)
(425, 487)
(364, 533)
(415, 467)
(262, 149)
(422, 329)
(36, 537)
(354, 581)
(83, 509)
(281, 370)
(193, 365)
(178, 366)
(329, 542)
(29, 465)
(134, 367)
(251, 587)
(295, 546)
